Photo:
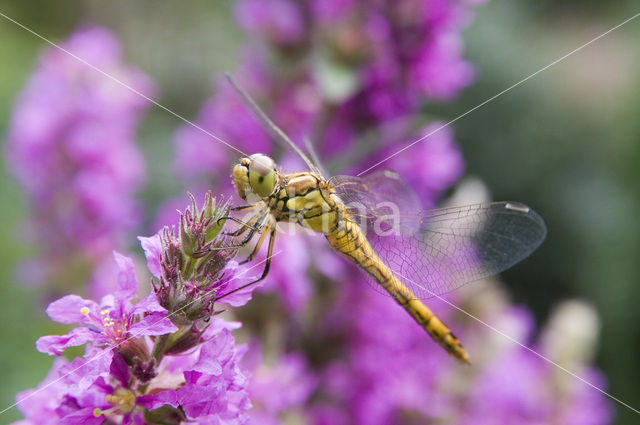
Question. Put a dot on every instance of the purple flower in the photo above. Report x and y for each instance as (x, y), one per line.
(143, 363)
(69, 394)
(109, 323)
(88, 391)
(210, 386)
(206, 386)
(519, 388)
(216, 387)
(290, 274)
(194, 272)
(71, 146)
(39, 405)
(438, 71)
(281, 20)
(388, 363)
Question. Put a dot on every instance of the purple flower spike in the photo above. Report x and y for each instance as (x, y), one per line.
(190, 269)
(71, 146)
(139, 367)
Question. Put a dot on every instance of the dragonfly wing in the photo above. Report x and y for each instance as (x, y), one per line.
(379, 199)
(458, 245)
(437, 251)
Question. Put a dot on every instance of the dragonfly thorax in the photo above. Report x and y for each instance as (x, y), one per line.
(255, 177)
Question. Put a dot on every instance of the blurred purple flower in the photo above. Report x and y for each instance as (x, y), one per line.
(368, 68)
(431, 166)
(387, 363)
(197, 153)
(389, 371)
(281, 389)
(71, 145)
(281, 20)
(289, 274)
(520, 388)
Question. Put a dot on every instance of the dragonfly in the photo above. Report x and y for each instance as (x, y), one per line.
(375, 222)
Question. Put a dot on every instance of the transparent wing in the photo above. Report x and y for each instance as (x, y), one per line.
(450, 246)
(381, 198)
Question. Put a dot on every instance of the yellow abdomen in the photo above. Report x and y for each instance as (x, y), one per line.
(350, 242)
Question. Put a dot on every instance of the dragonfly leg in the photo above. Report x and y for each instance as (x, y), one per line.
(245, 225)
(265, 272)
(245, 241)
(255, 248)
(244, 207)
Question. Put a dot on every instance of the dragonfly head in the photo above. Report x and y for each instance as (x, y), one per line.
(255, 176)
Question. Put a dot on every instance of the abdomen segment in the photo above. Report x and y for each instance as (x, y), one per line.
(350, 242)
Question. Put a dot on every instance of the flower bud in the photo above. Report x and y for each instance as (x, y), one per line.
(144, 371)
(200, 228)
(571, 335)
(191, 265)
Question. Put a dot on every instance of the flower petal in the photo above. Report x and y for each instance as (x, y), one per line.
(68, 309)
(218, 349)
(153, 401)
(119, 370)
(217, 325)
(127, 282)
(54, 345)
(82, 374)
(153, 252)
(83, 416)
(153, 324)
(238, 277)
(148, 305)
(202, 400)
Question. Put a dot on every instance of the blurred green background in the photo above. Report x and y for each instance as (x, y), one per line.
(566, 142)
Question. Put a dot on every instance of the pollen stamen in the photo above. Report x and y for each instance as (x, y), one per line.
(123, 400)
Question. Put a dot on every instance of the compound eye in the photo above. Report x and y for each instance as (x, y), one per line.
(262, 175)
(263, 185)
